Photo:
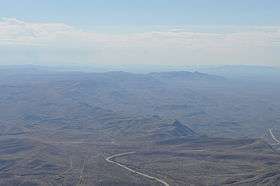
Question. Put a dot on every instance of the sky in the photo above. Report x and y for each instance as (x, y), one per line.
(136, 32)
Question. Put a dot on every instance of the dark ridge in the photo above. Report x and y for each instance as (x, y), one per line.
(181, 130)
(174, 131)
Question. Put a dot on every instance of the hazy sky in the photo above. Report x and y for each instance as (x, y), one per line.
(114, 32)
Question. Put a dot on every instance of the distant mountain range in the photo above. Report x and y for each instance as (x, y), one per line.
(245, 72)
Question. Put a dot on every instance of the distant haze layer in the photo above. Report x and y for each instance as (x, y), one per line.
(23, 42)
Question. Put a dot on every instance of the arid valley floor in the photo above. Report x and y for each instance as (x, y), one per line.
(117, 128)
